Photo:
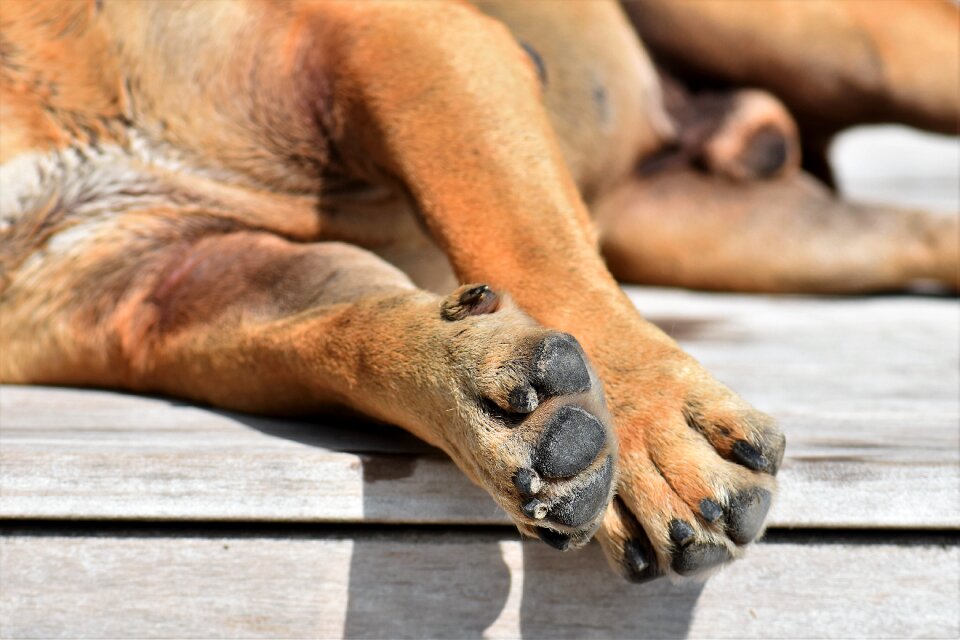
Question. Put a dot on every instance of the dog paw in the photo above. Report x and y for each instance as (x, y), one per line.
(755, 139)
(538, 435)
(697, 468)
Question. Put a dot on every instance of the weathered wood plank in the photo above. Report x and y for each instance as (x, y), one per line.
(866, 390)
(446, 585)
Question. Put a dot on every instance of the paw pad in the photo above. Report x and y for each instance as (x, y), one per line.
(586, 501)
(571, 441)
(745, 514)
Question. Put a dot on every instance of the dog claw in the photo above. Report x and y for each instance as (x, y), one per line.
(555, 539)
(527, 482)
(523, 399)
(749, 456)
(469, 301)
(681, 533)
(775, 447)
(639, 560)
(535, 509)
(710, 510)
(695, 558)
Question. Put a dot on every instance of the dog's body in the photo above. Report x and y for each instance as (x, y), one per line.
(247, 203)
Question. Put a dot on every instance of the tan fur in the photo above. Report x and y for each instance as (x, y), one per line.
(240, 203)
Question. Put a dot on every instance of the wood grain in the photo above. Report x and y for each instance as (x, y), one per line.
(866, 390)
(453, 585)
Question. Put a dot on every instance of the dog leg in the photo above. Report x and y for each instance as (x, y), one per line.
(834, 64)
(442, 101)
(743, 135)
(249, 321)
(685, 228)
(450, 105)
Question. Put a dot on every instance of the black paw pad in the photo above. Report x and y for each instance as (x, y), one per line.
(570, 442)
(559, 366)
(695, 558)
(639, 561)
(555, 539)
(745, 514)
(587, 502)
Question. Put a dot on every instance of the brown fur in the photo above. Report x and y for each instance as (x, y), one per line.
(244, 203)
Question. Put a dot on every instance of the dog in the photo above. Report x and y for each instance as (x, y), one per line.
(264, 206)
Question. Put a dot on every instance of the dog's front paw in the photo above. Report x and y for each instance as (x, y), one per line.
(538, 435)
(697, 469)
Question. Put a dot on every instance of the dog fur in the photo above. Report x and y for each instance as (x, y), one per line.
(253, 204)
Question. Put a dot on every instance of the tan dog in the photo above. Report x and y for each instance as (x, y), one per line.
(247, 204)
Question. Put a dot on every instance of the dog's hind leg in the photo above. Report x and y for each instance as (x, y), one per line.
(249, 321)
(834, 63)
(685, 228)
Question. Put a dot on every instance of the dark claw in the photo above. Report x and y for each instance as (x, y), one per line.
(479, 300)
(555, 539)
(523, 399)
(535, 509)
(681, 533)
(588, 501)
(470, 301)
(559, 366)
(695, 558)
(749, 456)
(710, 510)
(570, 442)
(527, 482)
(775, 447)
(640, 561)
(745, 514)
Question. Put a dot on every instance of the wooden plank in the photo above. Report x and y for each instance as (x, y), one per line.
(866, 390)
(448, 585)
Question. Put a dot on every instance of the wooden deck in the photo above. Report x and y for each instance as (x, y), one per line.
(126, 516)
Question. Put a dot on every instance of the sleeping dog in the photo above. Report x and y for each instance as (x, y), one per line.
(419, 211)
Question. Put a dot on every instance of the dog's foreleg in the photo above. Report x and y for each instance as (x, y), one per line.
(249, 321)
(446, 101)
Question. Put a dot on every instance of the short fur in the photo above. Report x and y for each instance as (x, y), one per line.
(248, 204)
